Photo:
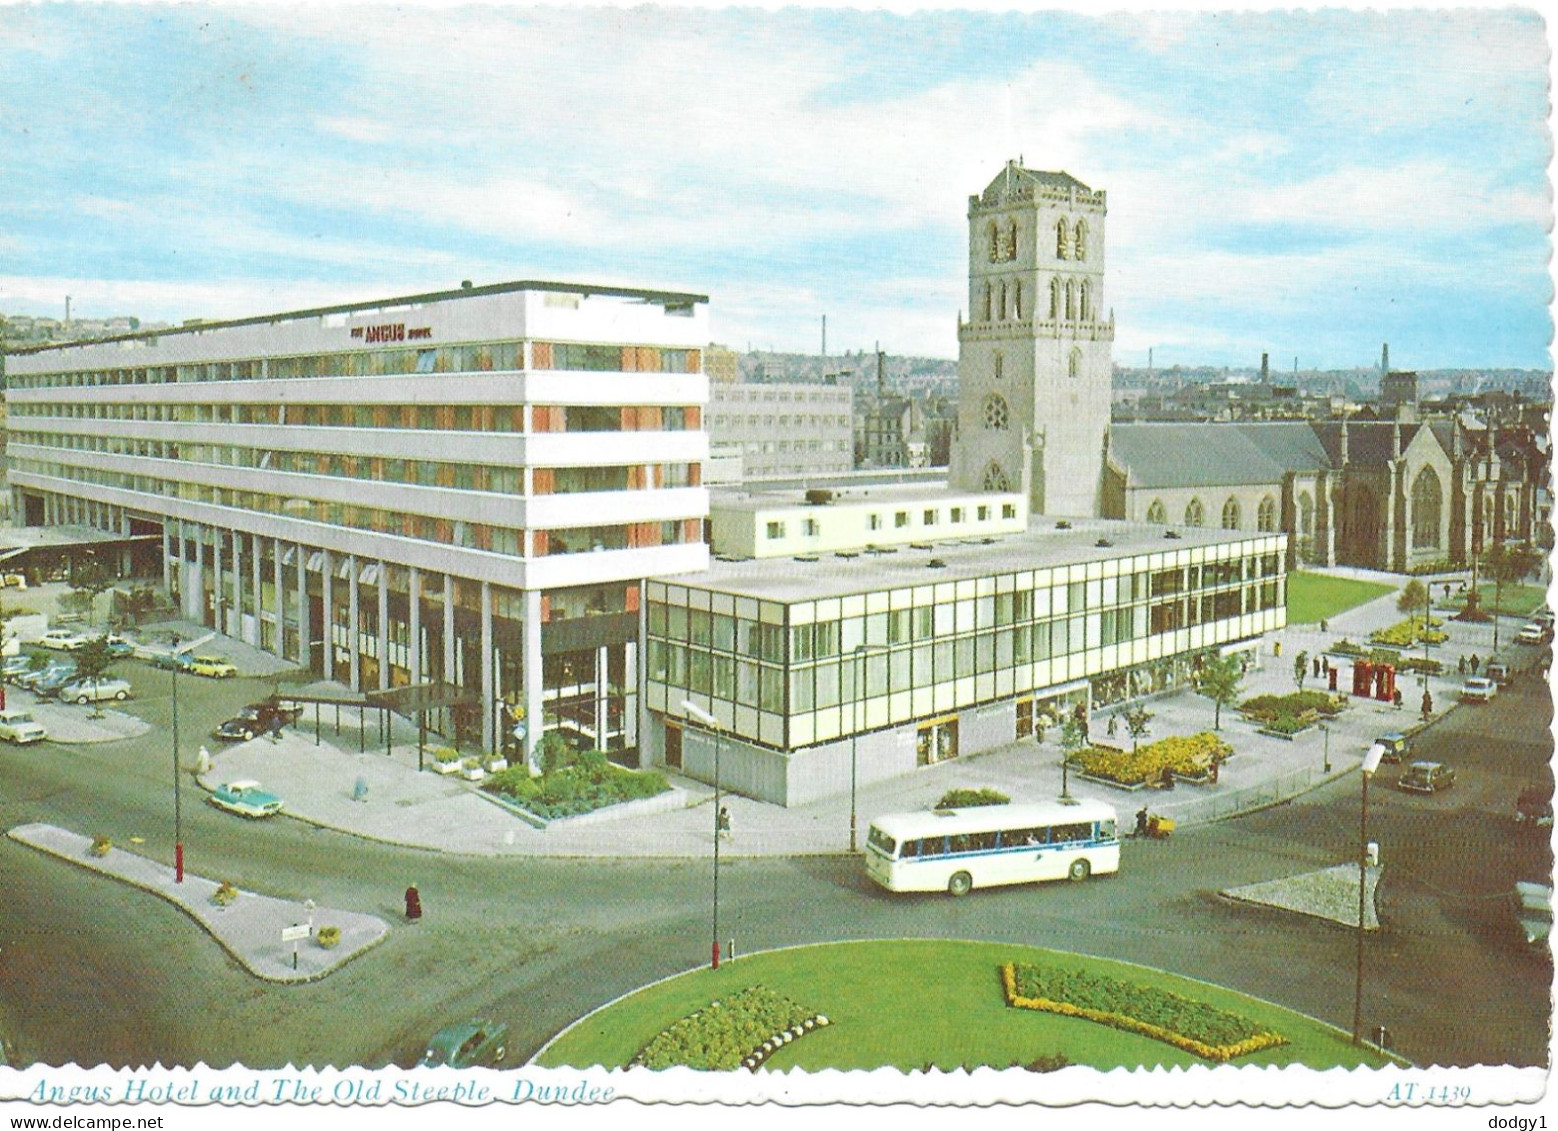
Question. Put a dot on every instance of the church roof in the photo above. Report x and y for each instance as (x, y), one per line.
(1214, 455)
(1062, 181)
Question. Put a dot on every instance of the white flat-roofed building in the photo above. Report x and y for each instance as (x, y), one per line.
(785, 429)
(919, 653)
(464, 486)
(785, 523)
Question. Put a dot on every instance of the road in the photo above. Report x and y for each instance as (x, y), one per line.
(95, 972)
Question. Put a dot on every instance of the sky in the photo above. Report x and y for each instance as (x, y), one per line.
(1308, 185)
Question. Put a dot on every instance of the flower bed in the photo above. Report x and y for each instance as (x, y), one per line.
(587, 785)
(1297, 704)
(1204, 1030)
(1409, 632)
(738, 1032)
(1185, 756)
(965, 798)
(1392, 656)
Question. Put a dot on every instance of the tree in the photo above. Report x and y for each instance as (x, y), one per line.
(1415, 598)
(1220, 681)
(1300, 669)
(88, 580)
(1073, 737)
(1136, 722)
(92, 662)
(1508, 564)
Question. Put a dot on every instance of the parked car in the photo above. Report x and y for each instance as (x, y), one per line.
(118, 646)
(63, 639)
(94, 690)
(245, 798)
(171, 661)
(258, 718)
(14, 666)
(1426, 777)
(20, 727)
(1398, 748)
(213, 666)
(52, 681)
(1534, 807)
(1499, 672)
(472, 1043)
(32, 676)
(1534, 912)
(1478, 689)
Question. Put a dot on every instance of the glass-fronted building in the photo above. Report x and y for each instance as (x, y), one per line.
(939, 649)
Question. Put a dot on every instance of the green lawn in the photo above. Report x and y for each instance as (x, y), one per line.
(918, 1002)
(1517, 600)
(1316, 596)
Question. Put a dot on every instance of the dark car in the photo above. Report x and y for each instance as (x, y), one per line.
(1426, 777)
(256, 719)
(1534, 807)
(1398, 748)
(472, 1043)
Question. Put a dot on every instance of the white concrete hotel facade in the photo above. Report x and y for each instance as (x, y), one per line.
(465, 486)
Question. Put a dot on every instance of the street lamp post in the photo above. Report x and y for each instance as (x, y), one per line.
(708, 720)
(1371, 762)
(178, 806)
(1326, 730)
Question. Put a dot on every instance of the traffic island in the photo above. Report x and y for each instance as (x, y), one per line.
(279, 940)
(1330, 893)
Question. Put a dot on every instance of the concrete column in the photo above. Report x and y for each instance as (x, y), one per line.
(449, 672)
(167, 557)
(197, 599)
(631, 679)
(353, 623)
(602, 670)
(414, 626)
(534, 713)
(303, 631)
(216, 580)
(487, 697)
(384, 663)
(326, 589)
(254, 587)
(279, 640)
(238, 585)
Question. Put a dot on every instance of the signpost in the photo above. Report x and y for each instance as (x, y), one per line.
(293, 934)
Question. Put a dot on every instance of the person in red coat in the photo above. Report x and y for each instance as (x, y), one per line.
(413, 903)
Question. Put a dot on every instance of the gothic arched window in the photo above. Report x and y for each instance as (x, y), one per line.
(1079, 242)
(988, 300)
(1266, 515)
(1231, 514)
(1002, 307)
(1074, 364)
(1195, 514)
(1156, 512)
(1071, 300)
(1060, 239)
(1011, 241)
(1017, 300)
(995, 243)
(1087, 300)
(1306, 515)
(1426, 498)
(997, 415)
(995, 479)
(1054, 299)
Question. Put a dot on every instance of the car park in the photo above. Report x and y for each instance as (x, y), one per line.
(213, 667)
(1534, 807)
(245, 798)
(33, 676)
(14, 666)
(1532, 633)
(1499, 672)
(1534, 912)
(94, 690)
(51, 681)
(258, 718)
(20, 727)
(63, 639)
(171, 661)
(1426, 777)
(1398, 748)
(1478, 689)
(472, 1043)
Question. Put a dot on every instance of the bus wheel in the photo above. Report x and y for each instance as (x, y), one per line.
(1080, 870)
(961, 883)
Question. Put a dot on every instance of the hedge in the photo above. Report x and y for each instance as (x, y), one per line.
(583, 787)
(1188, 755)
(1204, 1030)
(967, 798)
(1267, 707)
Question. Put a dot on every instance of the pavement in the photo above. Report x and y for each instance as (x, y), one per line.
(337, 770)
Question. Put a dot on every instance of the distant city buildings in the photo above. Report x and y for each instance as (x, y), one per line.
(783, 429)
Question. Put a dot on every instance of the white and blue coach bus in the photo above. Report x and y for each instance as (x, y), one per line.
(957, 850)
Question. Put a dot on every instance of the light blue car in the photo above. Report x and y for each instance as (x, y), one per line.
(246, 798)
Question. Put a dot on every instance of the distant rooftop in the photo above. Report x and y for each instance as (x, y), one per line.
(1041, 546)
(763, 498)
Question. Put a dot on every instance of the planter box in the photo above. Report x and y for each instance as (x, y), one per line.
(1285, 736)
(672, 798)
(446, 767)
(1101, 780)
(497, 765)
(473, 773)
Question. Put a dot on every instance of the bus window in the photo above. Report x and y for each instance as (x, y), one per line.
(933, 846)
(1031, 836)
(1062, 833)
(1106, 830)
(960, 842)
(881, 841)
(910, 848)
(982, 842)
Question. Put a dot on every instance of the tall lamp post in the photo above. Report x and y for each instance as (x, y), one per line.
(698, 713)
(1371, 762)
(178, 807)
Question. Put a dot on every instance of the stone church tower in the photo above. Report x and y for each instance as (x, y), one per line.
(1034, 365)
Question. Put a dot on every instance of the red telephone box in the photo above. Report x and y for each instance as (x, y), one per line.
(1362, 678)
(1384, 683)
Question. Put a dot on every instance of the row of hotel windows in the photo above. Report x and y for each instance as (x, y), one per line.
(877, 519)
(831, 677)
(474, 358)
(455, 418)
(425, 473)
(469, 535)
(756, 447)
(756, 393)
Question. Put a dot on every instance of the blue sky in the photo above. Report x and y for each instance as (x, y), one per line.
(1309, 185)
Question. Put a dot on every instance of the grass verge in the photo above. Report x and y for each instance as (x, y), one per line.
(1313, 597)
(912, 1003)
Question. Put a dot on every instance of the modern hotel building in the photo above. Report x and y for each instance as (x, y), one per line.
(466, 486)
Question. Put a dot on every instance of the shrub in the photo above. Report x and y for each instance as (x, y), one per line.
(1188, 755)
(100, 845)
(446, 754)
(1266, 707)
(965, 798)
(1205, 1030)
(1287, 724)
(726, 1033)
(577, 788)
(328, 937)
(1052, 1063)
(225, 894)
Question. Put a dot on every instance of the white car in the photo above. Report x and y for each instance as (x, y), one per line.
(94, 690)
(63, 639)
(1532, 633)
(20, 727)
(1478, 689)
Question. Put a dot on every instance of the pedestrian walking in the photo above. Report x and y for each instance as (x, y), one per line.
(1315, 667)
(1113, 720)
(1080, 715)
(1141, 821)
(1428, 705)
(1396, 698)
(1325, 625)
(1325, 665)
(722, 824)
(275, 728)
(1474, 662)
(413, 903)
(1462, 665)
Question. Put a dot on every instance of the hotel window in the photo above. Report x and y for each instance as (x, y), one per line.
(776, 530)
(900, 519)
